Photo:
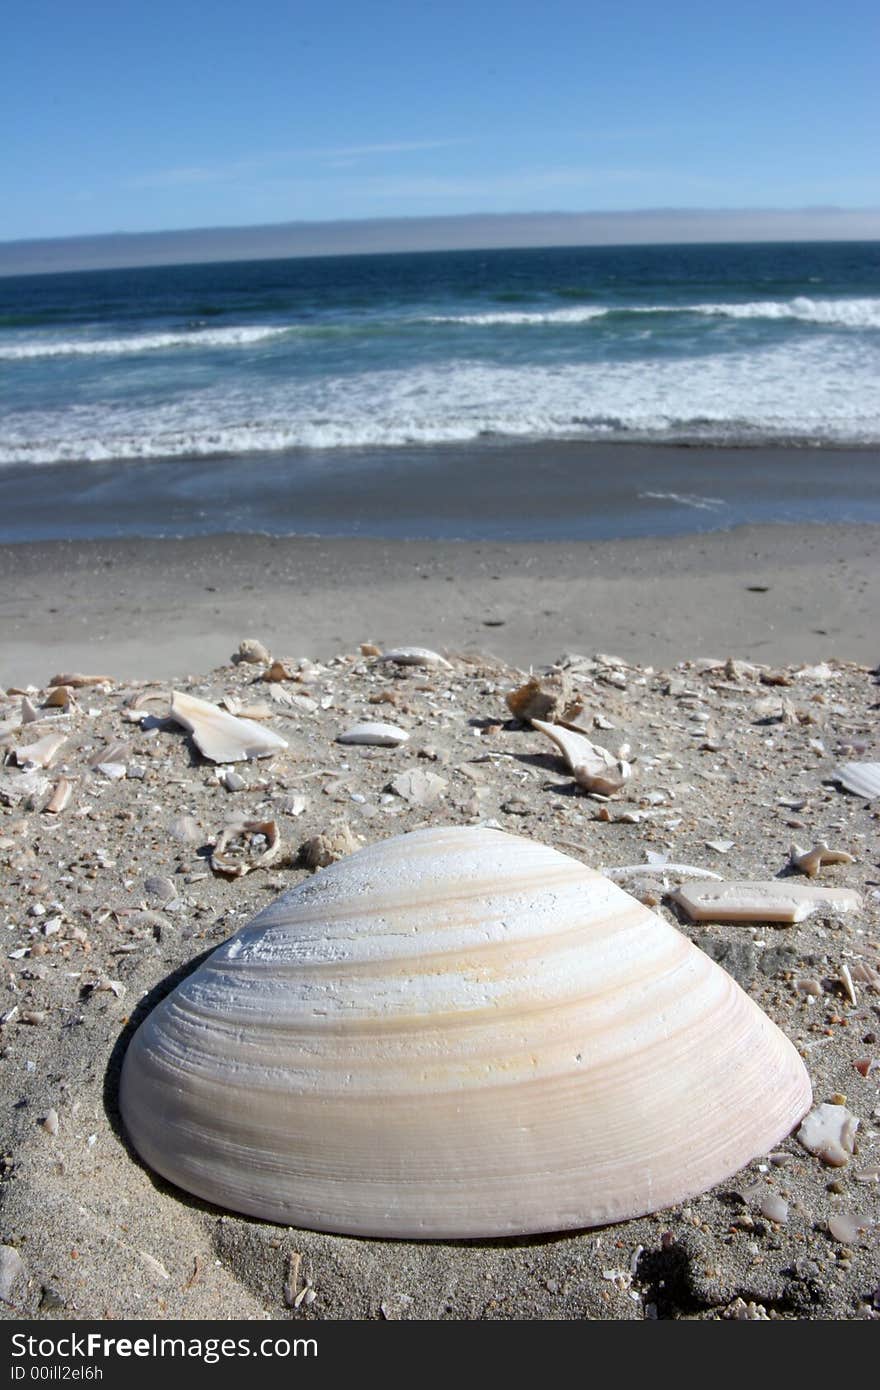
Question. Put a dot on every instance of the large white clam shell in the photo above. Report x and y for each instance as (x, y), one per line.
(457, 1033)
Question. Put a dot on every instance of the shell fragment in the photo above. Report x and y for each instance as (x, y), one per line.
(222, 737)
(829, 1132)
(381, 735)
(415, 656)
(777, 900)
(861, 778)
(593, 767)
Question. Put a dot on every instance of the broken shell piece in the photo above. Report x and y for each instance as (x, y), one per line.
(457, 1033)
(220, 736)
(77, 680)
(415, 656)
(593, 767)
(829, 1132)
(777, 900)
(625, 871)
(258, 711)
(418, 788)
(382, 735)
(809, 861)
(24, 789)
(60, 798)
(846, 980)
(244, 846)
(847, 1227)
(861, 778)
(61, 697)
(328, 847)
(279, 671)
(42, 753)
(152, 696)
(540, 697)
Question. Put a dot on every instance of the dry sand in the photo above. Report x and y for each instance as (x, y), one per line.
(160, 608)
(719, 755)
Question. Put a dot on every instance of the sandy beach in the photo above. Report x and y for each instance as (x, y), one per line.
(156, 609)
(106, 901)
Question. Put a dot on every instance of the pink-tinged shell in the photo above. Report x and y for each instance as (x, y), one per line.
(457, 1033)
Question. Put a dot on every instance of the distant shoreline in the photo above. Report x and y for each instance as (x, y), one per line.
(465, 232)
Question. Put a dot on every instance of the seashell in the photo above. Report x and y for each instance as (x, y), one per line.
(382, 735)
(40, 754)
(279, 671)
(457, 1033)
(29, 713)
(829, 1132)
(60, 798)
(811, 860)
(540, 697)
(77, 681)
(332, 844)
(593, 767)
(777, 900)
(220, 736)
(253, 652)
(115, 752)
(861, 778)
(417, 787)
(415, 656)
(61, 697)
(245, 845)
(151, 696)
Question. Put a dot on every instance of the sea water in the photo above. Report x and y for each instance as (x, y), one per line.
(385, 355)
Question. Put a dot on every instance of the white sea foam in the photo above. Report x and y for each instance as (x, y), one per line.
(820, 390)
(687, 499)
(140, 342)
(832, 313)
(515, 318)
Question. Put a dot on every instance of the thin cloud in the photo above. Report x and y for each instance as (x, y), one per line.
(223, 173)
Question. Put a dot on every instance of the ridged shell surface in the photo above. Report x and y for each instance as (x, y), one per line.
(457, 1033)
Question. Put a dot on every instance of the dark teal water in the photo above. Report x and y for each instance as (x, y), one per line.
(267, 368)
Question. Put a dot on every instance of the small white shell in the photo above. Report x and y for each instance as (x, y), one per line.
(223, 737)
(457, 1033)
(381, 735)
(861, 778)
(829, 1132)
(415, 656)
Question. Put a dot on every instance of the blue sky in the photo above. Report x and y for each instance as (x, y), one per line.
(124, 117)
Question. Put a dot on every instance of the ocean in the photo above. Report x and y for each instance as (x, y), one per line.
(327, 395)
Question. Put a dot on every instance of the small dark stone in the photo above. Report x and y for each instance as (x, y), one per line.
(51, 1300)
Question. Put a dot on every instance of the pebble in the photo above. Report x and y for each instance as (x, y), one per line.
(774, 1207)
(11, 1271)
(162, 889)
(847, 1227)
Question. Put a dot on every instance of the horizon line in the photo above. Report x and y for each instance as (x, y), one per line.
(308, 239)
